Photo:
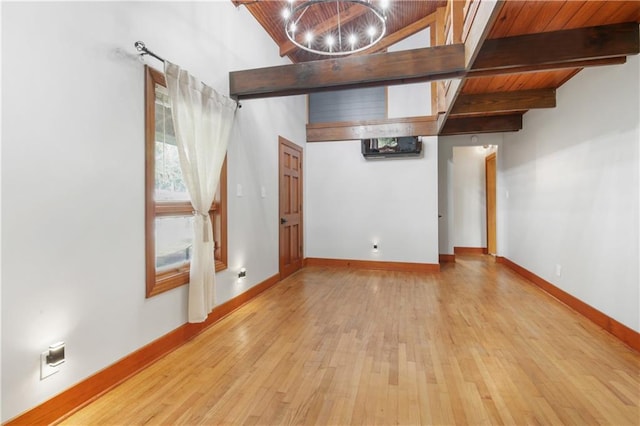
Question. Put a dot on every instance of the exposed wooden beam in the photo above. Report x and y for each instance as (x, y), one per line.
(546, 67)
(349, 130)
(381, 69)
(325, 26)
(504, 101)
(488, 124)
(580, 44)
(401, 34)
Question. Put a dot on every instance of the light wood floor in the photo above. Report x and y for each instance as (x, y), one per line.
(473, 344)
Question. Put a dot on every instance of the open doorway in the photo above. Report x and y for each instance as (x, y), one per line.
(474, 199)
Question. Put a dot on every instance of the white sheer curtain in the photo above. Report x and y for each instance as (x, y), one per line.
(202, 120)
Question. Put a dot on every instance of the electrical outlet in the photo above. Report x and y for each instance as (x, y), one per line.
(45, 369)
(558, 270)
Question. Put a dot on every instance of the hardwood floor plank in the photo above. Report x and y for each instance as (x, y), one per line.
(473, 344)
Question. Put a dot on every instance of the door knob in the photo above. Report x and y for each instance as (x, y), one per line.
(283, 221)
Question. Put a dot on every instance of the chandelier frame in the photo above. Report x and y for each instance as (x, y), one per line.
(296, 12)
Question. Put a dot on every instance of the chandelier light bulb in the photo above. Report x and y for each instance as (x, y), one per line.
(286, 13)
(293, 27)
(330, 41)
(384, 4)
(352, 40)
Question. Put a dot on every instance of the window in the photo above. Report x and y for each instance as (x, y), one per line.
(169, 213)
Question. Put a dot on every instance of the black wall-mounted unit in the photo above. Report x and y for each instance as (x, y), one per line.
(405, 146)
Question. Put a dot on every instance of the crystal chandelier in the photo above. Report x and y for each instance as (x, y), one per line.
(356, 25)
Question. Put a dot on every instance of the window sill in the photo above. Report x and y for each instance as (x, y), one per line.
(171, 279)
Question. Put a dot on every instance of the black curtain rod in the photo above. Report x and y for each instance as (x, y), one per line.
(140, 46)
(144, 51)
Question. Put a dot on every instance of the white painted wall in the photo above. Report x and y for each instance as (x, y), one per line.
(410, 100)
(448, 229)
(469, 196)
(572, 176)
(353, 202)
(73, 177)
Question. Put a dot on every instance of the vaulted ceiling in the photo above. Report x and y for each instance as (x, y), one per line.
(269, 14)
(524, 51)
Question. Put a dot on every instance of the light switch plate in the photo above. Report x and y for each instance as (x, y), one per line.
(45, 369)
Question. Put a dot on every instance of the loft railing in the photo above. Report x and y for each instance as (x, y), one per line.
(452, 25)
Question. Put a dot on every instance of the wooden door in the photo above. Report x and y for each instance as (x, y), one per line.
(290, 208)
(490, 175)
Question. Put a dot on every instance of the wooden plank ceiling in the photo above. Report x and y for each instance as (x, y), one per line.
(530, 17)
(496, 93)
(268, 13)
